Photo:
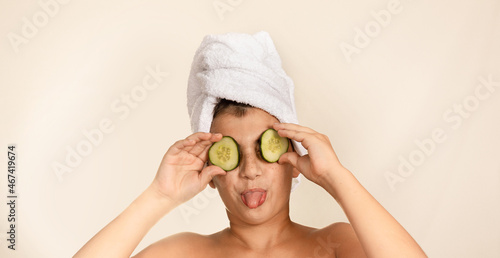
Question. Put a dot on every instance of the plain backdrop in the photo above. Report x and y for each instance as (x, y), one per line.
(407, 91)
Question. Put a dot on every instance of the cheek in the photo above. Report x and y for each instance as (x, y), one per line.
(225, 182)
(222, 187)
(280, 173)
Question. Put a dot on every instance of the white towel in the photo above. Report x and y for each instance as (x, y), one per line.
(243, 68)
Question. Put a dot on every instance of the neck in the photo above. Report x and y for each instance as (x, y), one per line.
(264, 235)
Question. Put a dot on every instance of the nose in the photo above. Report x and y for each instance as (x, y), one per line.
(249, 166)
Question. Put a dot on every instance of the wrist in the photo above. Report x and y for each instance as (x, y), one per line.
(339, 179)
(154, 193)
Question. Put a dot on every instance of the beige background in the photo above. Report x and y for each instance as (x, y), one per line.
(430, 56)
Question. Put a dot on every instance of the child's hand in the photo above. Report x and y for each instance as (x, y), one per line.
(321, 158)
(181, 174)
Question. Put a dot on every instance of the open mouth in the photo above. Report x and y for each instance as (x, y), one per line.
(254, 198)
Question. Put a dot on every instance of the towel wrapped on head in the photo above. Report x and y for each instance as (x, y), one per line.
(243, 68)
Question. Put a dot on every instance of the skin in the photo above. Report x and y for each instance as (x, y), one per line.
(265, 231)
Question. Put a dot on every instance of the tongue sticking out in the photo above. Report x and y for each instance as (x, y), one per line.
(254, 199)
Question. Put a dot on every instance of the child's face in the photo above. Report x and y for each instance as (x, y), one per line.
(256, 190)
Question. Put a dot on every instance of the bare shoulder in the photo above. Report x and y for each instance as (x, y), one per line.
(342, 237)
(178, 245)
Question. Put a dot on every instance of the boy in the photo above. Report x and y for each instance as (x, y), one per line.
(256, 195)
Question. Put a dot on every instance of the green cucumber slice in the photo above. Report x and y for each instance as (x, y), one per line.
(225, 153)
(272, 146)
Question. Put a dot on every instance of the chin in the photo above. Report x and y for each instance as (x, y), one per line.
(256, 216)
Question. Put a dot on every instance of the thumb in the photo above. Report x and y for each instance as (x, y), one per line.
(290, 158)
(209, 172)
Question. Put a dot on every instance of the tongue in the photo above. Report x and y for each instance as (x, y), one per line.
(254, 199)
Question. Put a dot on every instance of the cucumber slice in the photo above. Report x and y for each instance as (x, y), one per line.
(225, 153)
(272, 146)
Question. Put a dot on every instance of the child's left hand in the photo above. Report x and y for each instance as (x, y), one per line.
(321, 159)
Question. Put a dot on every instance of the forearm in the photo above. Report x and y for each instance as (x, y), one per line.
(378, 232)
(122, 235)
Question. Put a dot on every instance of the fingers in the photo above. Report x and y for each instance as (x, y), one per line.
(195, 144)
(180, 146)
(209, 172)
(301, 163)
(302, 137)
(200, 136)
(204, 141)
(290, 158)
(293, 127)
(302, 134)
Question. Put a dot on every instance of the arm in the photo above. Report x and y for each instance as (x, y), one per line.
(180, 177)
(379, 233)
(122, 235)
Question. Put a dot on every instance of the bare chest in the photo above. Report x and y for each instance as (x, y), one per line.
(318, 248)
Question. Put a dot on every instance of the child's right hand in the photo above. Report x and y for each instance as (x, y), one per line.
(181, 174)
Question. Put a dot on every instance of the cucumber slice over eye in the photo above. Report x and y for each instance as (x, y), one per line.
(272, 146)
(225, 153)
